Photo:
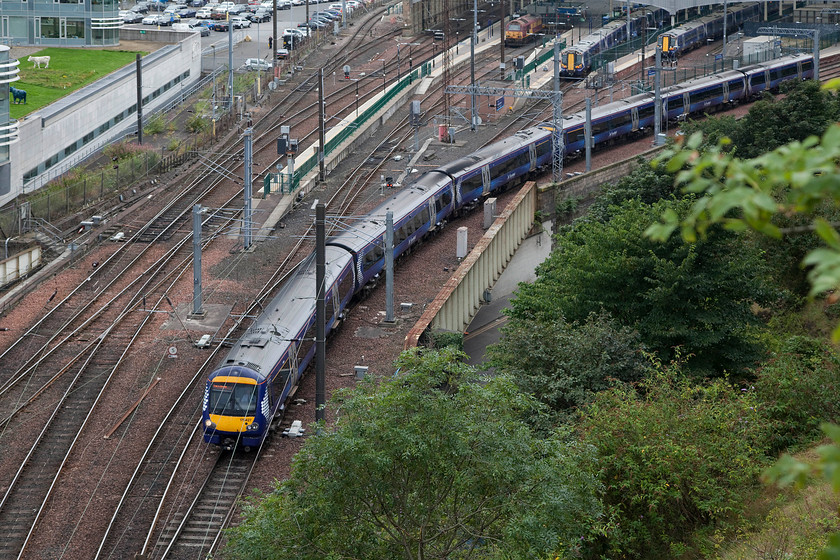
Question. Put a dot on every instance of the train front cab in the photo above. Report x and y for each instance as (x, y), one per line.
(572, 64)
(236, 408)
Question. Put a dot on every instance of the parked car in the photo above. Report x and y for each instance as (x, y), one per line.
(317, 23)
(284, 4)
(156, 19)
(260, 16)
(302, 34)
(197, 3)
(140, 8)
(240, 22)
(282, 53)
(257, 64)
(131, 17)
(219, 12)
(185, 13)
(311, 25)
(220, 25)
(204, 13)
(236, 10)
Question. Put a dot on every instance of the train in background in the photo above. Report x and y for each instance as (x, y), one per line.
(259, 375)
(576, 61)
(523, 30)
(696, 33)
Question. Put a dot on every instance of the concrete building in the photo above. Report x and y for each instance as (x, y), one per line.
(59, 136)
(66, 23)
(8, 129)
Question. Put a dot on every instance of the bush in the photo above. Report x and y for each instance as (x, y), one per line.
(798, 391)
(124, 150)
(197, 124)
(155, 125)
(675, 457)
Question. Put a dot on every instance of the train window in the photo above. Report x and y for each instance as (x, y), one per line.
(808, 66)
(757, 80)
(706, 94)
(621, 120)
(233, 399)
(774, 74)
(646, 111)
(543, 148)
(472, 183)
(305, 345)
(600, 127)
(789, 71)
(345, 285)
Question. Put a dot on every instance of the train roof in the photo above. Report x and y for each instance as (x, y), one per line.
(360, 234)
(285, 317)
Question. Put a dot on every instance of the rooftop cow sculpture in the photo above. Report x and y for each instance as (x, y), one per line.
(18, 95)
(37, 60)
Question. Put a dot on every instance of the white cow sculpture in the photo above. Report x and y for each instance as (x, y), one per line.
(37, 60)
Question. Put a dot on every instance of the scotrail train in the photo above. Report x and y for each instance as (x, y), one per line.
(696, 33)
(251, 386)
(576, 61)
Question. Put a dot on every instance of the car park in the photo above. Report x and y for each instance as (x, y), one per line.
(240, 22)
(259, 16)
(155, 19)
(257, 64)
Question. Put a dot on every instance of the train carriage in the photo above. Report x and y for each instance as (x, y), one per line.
(254, 381)
(576, 61)
(417, 210)
(523, 30)
(696, 33)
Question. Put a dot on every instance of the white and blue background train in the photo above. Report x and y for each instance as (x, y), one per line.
(251, 386)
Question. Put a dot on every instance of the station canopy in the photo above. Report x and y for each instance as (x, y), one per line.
(672, 6)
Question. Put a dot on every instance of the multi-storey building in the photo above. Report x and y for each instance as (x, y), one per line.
(8, 128)
(69, 23)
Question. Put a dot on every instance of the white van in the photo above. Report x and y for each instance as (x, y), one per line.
(181, 27)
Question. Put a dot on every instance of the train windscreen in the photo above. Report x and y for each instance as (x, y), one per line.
(233, 399)
(514, 27)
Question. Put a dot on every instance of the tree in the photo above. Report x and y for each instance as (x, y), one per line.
(568, 363)
(695, 296)
(674, 456)
(798, 178)
(434, 463)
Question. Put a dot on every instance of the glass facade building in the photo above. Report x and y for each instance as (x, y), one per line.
(8, 128)
(67, 23)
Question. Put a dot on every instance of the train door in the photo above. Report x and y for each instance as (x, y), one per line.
(686, 104)
(726, 92)
(432, 216)
(485, 178)
(532, 151)
(634, 116)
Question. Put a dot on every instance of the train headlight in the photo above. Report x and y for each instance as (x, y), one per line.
(209, 424)
(253, 427)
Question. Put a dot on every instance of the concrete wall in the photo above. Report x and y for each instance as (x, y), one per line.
(19, 265)
(50, 130)
(459, 299)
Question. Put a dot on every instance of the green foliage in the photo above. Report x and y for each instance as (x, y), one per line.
(197, 124)
(123, 150)
(674, 456)
(798, 391)
(446, 339)
(645, 183)
(434, 464)
(69, 70)
(174, 145)
(695, 296)
(155, 125)
(566, 364)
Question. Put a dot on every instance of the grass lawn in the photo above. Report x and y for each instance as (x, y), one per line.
(69, 70)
